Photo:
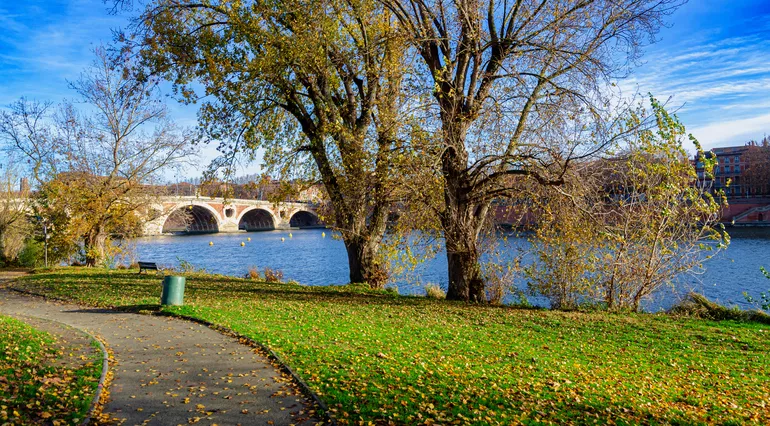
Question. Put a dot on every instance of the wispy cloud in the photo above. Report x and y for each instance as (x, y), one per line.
(730, 132)
(46, 43)
(717, 76)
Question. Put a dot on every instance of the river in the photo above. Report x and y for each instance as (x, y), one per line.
(310, 258)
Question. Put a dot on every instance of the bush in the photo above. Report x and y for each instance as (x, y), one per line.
(433, 291)
(187, 267)
(698, 306)
(253, 273)
(32, 255)
(267, 275)
(273, 275)
(621, 228)
(12, 242)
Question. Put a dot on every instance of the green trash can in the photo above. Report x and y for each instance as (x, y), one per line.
(173, 290)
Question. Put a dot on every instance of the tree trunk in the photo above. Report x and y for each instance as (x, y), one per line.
(465, 281)
(94, 245)
(364, 264)
(459, 223)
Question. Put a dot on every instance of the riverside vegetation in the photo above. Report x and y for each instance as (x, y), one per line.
(375, 356)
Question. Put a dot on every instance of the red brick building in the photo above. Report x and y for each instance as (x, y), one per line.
(730, 168)
(748, 204)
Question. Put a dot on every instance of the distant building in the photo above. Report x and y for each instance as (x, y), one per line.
(730, 168)
(749, 203)
(24, 186)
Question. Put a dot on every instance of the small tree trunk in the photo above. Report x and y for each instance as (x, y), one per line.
(3, 258)
(94, 245)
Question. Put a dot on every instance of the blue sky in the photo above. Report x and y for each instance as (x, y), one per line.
(713, 61)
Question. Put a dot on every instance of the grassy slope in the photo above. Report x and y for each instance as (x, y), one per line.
(375, 356)
(35, 386)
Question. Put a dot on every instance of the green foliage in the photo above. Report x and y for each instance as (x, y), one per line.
(380, 358)
(32, 255)
(36, 387)
(316, 98)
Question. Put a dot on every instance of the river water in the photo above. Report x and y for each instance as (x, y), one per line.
(310, 258)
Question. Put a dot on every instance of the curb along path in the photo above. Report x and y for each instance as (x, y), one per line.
(170, 372)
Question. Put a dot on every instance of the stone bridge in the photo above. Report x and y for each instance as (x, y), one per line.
(187, 215)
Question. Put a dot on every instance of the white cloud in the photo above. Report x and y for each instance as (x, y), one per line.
(732, 132)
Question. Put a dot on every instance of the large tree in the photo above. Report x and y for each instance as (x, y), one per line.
(520, 88)
(94, 166)
(304, 82)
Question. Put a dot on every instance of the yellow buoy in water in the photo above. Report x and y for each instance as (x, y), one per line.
(248, 239)
(242, 244)
(290, 236)
(283, 239)
(211, 243)
(323, 234)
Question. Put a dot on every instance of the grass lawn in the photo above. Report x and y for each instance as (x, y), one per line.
(379, 357)
(44, 380)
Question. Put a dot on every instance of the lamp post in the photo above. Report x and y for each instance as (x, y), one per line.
(45, 237)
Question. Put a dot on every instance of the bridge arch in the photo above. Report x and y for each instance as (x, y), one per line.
(257, 219)
(304, 219)
(192, 218)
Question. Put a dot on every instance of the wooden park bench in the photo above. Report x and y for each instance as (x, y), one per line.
(148, 266)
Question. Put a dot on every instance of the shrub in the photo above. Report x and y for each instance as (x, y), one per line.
(253, 273)
(32, 255)
(698, 306)
(563, 268)
(267, 275)
(273, 275)
(621, 228)
(498, 276)
(185, 267)
(433, 291)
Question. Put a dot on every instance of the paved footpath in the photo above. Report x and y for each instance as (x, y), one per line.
(169, 371)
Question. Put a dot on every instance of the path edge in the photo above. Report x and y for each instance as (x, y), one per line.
(216, 327)
(105, 361)
(102, 380)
